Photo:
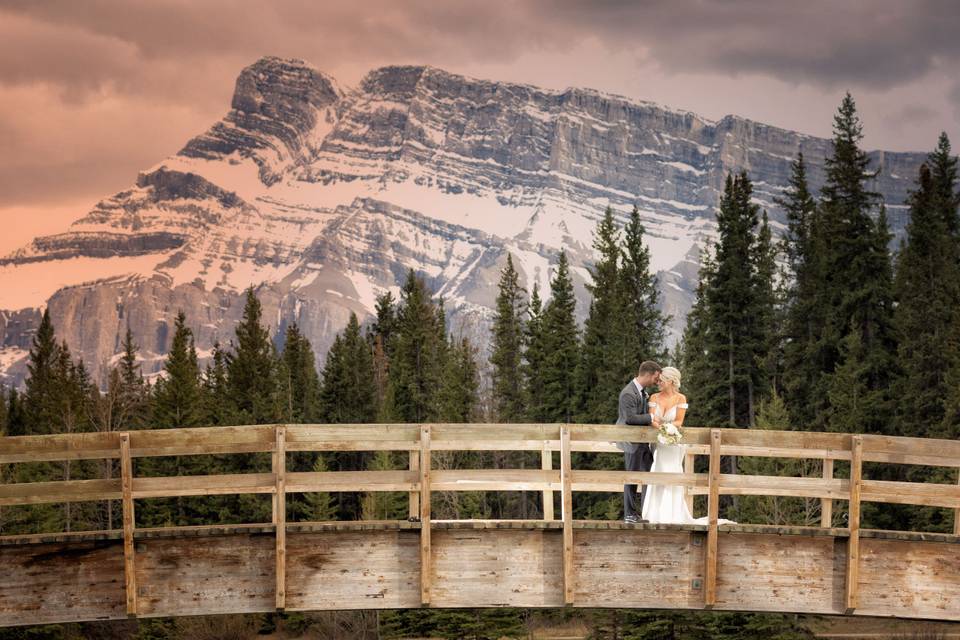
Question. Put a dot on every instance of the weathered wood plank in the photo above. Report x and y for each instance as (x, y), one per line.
(201, 440)
(59, 491)
(920, 493)
(61, 582)
(223, 484)
(744, 485)
(613, 481)
(956, 513)
(61, 446)
(853, 543)
(688, 469)
(280, 515)
(129, 558)
(206, 575)
(414, 493)
(495, 480)
(496, 568)
(426, 566)
(635, 567)
(546, 463)
(909, 579)
(569, 573)
(713, 512)
(763, 572)
(399, 480)
(826, 504)
(340, 570)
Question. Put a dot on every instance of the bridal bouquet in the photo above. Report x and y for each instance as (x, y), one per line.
(669, 433)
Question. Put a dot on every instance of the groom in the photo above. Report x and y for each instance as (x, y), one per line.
(637, 455)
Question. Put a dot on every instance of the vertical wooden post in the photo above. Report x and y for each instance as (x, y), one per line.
(566, 513)
(688, 461)
(713, 515)
(956, 513)
(546, 463)
(126, 488)
(826, 504)
(853, 545)
(426, 567)
(280, 513)
(414, 502)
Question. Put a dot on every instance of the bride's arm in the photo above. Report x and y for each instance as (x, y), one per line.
(681, 411)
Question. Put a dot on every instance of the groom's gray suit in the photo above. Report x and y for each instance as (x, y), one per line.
(637, 456)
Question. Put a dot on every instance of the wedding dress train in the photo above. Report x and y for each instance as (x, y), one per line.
(666, 503)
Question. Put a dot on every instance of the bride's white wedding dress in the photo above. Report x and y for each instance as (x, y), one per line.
(665, 503)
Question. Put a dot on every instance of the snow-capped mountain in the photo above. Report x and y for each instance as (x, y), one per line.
(322, 197)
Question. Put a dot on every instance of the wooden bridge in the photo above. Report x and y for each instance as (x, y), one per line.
(420, 562)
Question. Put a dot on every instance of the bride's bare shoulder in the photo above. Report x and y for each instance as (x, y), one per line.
(683, 398)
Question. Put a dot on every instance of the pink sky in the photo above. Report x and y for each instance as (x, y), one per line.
(92, 92)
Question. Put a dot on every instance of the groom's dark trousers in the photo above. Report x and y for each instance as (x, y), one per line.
(637, 456)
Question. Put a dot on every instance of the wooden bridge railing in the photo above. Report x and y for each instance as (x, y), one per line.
(421, 479)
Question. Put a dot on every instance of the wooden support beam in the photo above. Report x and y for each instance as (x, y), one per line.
(566, 482)
(426, 564)
(826, 504)
(713, 515)
(280, 515)
(853, 543)
(688, 462)
(414, 496)
(956, 513)
(126, 488)
(546, 463)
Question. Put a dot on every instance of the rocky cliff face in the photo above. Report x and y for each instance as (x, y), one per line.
(323, 198)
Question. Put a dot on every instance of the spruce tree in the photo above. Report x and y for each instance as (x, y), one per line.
(805, 313)
(857, 280)
(347, 393)
(534, 358)
(703, 373)
(177, 394)
(459, 390)
(506, 347)
(302, 381)
(41, 391)
(561, 343)
(640, 297)
(607, 357)
(216, 402)
(418, 354)
(251, 379)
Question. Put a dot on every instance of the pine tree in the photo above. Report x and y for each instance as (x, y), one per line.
(216, 398)
(459, 391)
(607, 357)
(857, 279)
(177, 395)
(384, 505)
(805, 314)
(251, 379)
(303, 381)
(641, 296)
(418, 354)
(347, 393)
(319, 506)
(40, 410)
(561, 342)
(534, 358)
(507, 347)
(703, 373)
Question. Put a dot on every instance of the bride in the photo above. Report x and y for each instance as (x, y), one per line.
(665, 503)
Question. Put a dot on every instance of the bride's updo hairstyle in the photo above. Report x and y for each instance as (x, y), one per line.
(671, 374)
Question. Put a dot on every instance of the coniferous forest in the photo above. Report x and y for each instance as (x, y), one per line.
(828, 326)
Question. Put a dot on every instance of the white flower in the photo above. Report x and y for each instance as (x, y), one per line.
(672, 430)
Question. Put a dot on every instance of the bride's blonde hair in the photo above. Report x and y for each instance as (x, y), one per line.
(671, 374)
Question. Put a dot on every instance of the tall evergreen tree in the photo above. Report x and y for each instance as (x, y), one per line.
(418, 354)
(857, 279)
(607, 357)
(347, 392)
(251, 379)
(39, 399)
(506, 347)
(534, 358)
(177, 395)
(641, 296)
(216, 395)
(561, 344)
(459, 390)
(302, 381)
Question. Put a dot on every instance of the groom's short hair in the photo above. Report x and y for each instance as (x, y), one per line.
(649, 366)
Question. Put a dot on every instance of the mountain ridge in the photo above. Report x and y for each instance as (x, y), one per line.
(322, 197)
